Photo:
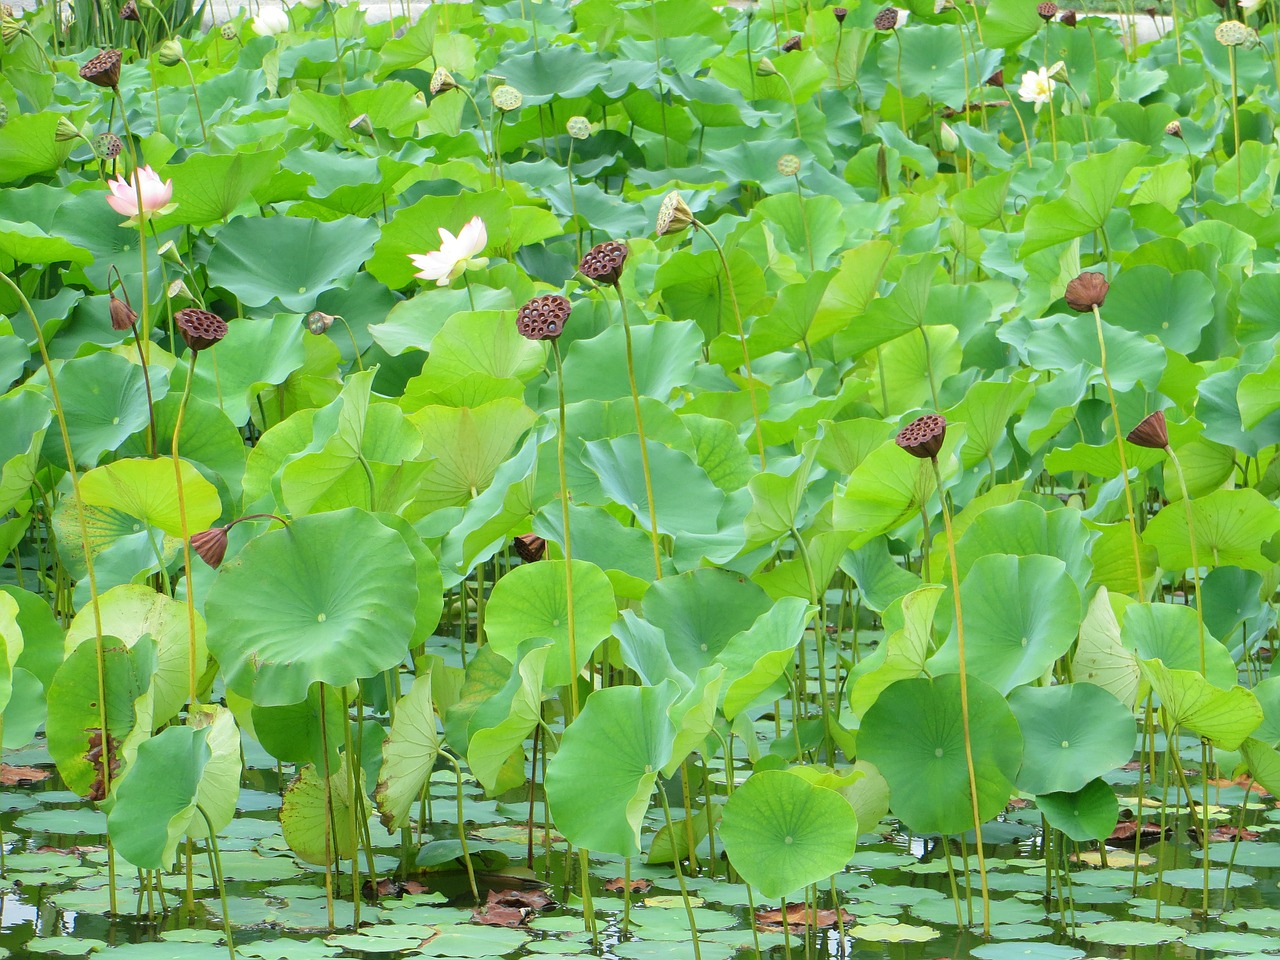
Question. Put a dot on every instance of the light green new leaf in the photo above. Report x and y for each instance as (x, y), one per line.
(1226, 717)
(408, 755)
(148, 489)
(1231, 527)
(156, 799)
(1091, 194)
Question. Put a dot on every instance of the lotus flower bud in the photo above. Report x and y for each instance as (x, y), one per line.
(506, 98)
(66, 131)
(579, 127)
(170, 53)
(603, 262)
(543, 318)
(200, 328)
(765, 68)
(947, 138)
(788, 165)
(530, 547)
(923, 436)
(674, 215)
(1152, 433)
(211, 545)
(1086, 291)
(103, 70)
(122, 315)
(442, 81)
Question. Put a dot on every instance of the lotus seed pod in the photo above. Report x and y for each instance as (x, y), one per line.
(211, 545)
(200, 328)
(442, 81)
(788, 164)
(579, 127)
(122, 315)
(107, 146)
(1086, 291)
(923, 436)
(103, 70)
(130, 12)
(1231, 33)
(996, 79)
(169, 251)
(886, 19)
(1152, 433)
(674, 215)
(603, 263)
(765, 68)
(178, 290)
(65, 131)
(6, 10)
(840, 13)
(507, 98)
(228, 31)
(530, 547)
(1047, 10)
(10, 28)
(1174, 129)
(169, 53)
(1068, 18)
(318, 322)
(4, 113)
(793, 43)
(543, 318)
(361, 125)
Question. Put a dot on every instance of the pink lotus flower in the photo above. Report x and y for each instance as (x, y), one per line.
(156, 194)
(455, 255)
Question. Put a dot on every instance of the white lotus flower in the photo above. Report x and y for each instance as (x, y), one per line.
(1037, 86)
(270, 21)
(455, 255)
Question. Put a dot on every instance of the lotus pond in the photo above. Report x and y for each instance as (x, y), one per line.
(643, 479)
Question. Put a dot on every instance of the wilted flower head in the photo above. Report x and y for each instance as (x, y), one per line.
(1231, 33)
(170, 53)
(1037, 86)
(1152, 432)
(130, 11)
(996, 79)
(200, 328)
(1047, 10)
(1068, 18)
(10, 26)
(578, 127)
(530, 547)
(788, 164)
(923, 436)
(107, 146)
(455, 255)
(270, 21)
(122, 315)
(156, 194)
(506, 97)
(1174, 128)
(543, 318)
(674, 215)
(442, 81)
(211, 545)
(1086, 291)
(103, 70)
(318, 322)
(603, 262)
(889, 18)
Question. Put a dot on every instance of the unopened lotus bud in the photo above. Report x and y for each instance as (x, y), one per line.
(674, 215)
(107, 146)
(1231, 33)
(1047, 10)
(579, 127)
(1174, 128)
(506, 97)
(361, 125)
(122, 315)
(543, 318)
(793, 43)
(318, 322)
(530, 547)
(603, 263)
(200, 328)
(103, 70)
(840, 13)
(130, 12)
(886, 19)
(923, 436)
(170, 53)
(228, 31)
(1086, 291)
(788, 164)
(947, 138)
(442, 81)
(211, 545)
(65, 131)
(1068, 18)
(765, 68)
(1152, 433)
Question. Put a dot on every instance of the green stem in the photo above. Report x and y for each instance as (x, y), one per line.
(684, 889)
(462, 827)
(355, 346)
(204, 134)
(145, 313)
(568, 543)
(1195, 559)
(186, 534)
(330, 834)
(215, 867)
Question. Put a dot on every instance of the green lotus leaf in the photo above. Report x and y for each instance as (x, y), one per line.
(1187, 699)
(408, 756)
(156, 799)
(305, 816)
(499, 727)
(148, 490)
(1089, 813)
(1170, 633)
(1231, 526)
(665, 355)
(1095, 183)
(1072, 734)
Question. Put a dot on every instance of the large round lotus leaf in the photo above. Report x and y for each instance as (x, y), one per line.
(1231, 527)
(293, 732)
(156, 800)
(1230, 596)
(700, 612)
(148, 490)
(914, 734)
(219, 786)
(328, 599)
(304, 816)
(532, 601)
(1020, 615)
(782, 832)
(1022, 528)
(1071, 734)
(132, 611)
(1170, 633)
(1089, 813)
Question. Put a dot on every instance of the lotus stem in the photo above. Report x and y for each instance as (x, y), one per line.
(964, 698)
(820, 638)
(1195, 559)
(795, 107)
(330, 833)
(146, 375)
(353, 788)
(742, 335)
(145, 313)
(573, 198)
(195, 95)
(902, 97)
(1124, 461)
(186, 533)
(86, 546)
(215, 867)
(684, 888)
(1235, 120)
(568, 543)
(462, 827)
(1026, 137)
(644, 446)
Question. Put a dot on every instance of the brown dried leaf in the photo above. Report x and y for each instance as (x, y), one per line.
(1222, 834)
(771, 920)
(618, 884)
(1130, 835)
(11, 776)
(495, 915)
(1244, 780)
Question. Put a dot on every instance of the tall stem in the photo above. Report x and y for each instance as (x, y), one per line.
(1235, 120)
(195, 95)
(215, 867)
(1195, 559)
(330, 834)
(644, 447)
(675, 860)
(568, 545)
(964, 699)
(145, 313)
(186, 534)
(462, 826)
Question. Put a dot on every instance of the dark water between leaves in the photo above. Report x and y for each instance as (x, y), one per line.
(896, 893)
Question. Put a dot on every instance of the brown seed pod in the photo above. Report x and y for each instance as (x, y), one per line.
(1152, 433)
(130, 11)
(886, 19)
(923, 436)
(122, 315)
(211, 545)
(103, 70)
(543, 318)
(1068, 18)
(996, 79)
(840, 13)
(603, 262)
(107, 146)
(1086, 291)
(1047, 10)
(530, 547)
(200, 328)
(793, 43)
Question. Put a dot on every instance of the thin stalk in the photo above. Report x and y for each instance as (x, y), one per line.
(573, 197)
(644, 447)
(145, 313)
(964, 700)
(215, 867)
(462, 827)
(329, 832)
(795, 107)
(902, 97)
(186, 534)
(1195, 559)
(355, 346)
(1235, 120)
(204, 134)
(352, 824)
(804, 219)
(568, 545)
(684, 889)
(146, 375)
